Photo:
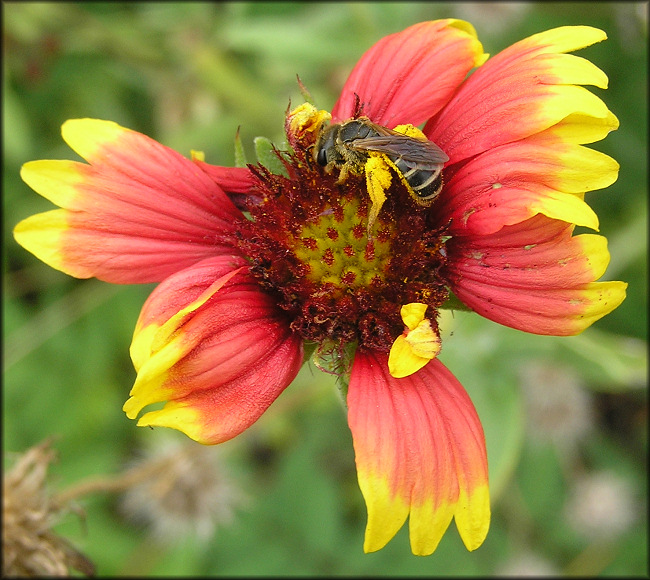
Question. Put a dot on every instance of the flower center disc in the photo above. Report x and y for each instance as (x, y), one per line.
(338, 253)
(309, 246)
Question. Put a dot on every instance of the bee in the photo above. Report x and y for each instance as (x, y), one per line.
(346, 146)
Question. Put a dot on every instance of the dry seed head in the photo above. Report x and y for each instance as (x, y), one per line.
(187, 492)
(29, 546)
(602, 506)
(560, 409)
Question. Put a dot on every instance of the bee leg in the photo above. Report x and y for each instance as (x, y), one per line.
(343, 175)
(378, 180)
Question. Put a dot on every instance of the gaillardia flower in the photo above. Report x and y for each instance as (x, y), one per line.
(345, 249)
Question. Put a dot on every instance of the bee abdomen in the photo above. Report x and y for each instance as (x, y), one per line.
(425, 183)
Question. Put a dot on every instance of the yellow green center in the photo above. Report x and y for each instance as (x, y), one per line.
(337, 251)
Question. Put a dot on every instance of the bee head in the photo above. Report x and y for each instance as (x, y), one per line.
(325, 148)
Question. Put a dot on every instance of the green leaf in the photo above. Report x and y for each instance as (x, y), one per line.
(611, 362)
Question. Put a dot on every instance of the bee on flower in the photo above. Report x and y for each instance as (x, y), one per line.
(346, 254)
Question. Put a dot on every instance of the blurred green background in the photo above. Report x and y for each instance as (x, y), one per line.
(565, 418)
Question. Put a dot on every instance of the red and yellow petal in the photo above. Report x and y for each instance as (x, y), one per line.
(524, 90)
(420, 453)
(535, 277)
(137, 213)
(513, 182)
(212, 346)
(229, 179)
(407, 77)
(580, 129)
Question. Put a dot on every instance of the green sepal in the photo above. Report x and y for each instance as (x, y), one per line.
(309, 348)
(240, 154)
(343, 383)
(453, 303)
(335, 358)
(304, 92)
(267, 155)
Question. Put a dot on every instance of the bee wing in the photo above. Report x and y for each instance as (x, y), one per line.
(408, 148)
